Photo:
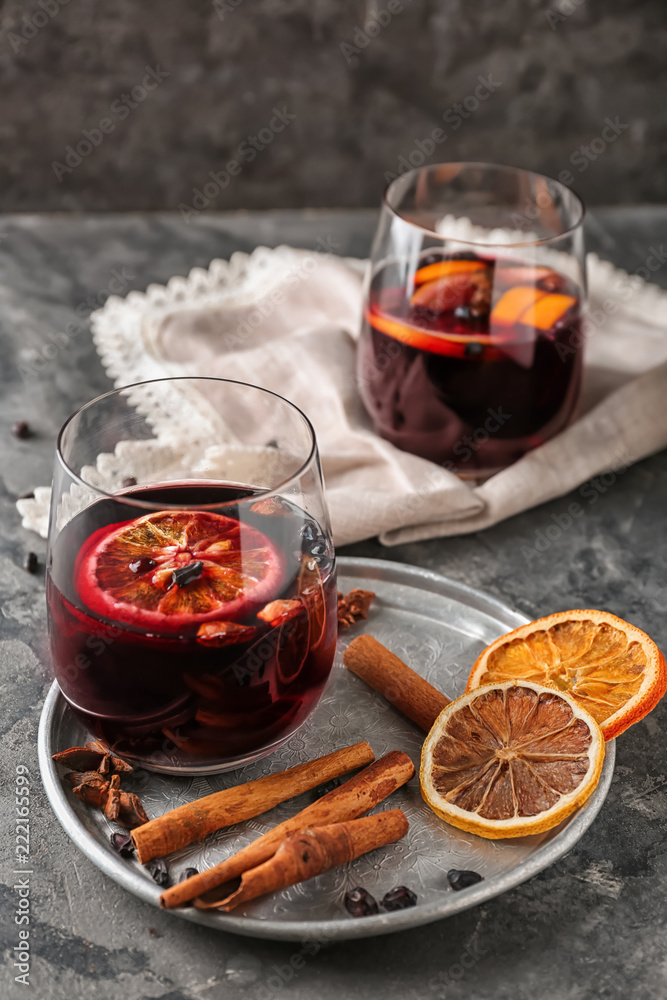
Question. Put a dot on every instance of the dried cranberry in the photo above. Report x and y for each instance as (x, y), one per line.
(157, 870)
(399, 898)
(21, 429)
(188, 873)
(142, 565)
(463, 879)
(128, 481)
(360, 903)
(187, 574)
(122, 842)
(30, 562)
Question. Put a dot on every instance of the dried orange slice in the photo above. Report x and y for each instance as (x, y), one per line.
(614, 670)
(512, 759)
(173, 570)
(443, 294)
(511, 306)
(545, 312)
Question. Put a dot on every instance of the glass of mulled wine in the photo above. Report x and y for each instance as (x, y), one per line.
(470, 351)
(191, 579)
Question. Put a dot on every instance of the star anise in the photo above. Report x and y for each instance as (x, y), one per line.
(101, 787)
(94, 756)
(112, 804)
(89, 786)
(353, 607)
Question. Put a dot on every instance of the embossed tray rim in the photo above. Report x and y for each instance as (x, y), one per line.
(55, 708)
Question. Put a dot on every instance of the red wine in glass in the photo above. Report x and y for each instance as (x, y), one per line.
(473, 360)
(186, 636)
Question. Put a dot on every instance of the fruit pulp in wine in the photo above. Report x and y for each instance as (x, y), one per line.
(470, 361)
(186, 637)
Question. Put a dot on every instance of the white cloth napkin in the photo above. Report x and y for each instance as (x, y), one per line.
(288, 319)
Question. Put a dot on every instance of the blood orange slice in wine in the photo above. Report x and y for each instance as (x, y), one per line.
(172, 570)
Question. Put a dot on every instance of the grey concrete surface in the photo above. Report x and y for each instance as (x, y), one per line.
(366, 81)
(593, 926)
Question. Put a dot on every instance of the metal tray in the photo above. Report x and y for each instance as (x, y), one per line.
(438, 626)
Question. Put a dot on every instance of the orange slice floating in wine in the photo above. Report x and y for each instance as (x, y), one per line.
(530, 306)
(172, 570)
(447, 268)
(452, 344)
(546, 312)
(514, 303)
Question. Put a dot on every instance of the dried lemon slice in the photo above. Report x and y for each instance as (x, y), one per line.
(512, 759)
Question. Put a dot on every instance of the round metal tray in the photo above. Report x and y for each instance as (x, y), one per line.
(436, 625)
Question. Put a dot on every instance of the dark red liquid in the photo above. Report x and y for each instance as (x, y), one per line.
(165, 698)
(452, 383)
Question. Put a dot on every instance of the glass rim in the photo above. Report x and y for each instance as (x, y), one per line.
(154, 506)
(500, 167)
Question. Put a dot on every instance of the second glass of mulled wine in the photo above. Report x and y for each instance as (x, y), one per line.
(191, 576)
(470, 352)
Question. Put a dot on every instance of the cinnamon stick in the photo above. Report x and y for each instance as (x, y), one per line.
(350, 800)
(311, 852)
(194, 821)
(395, 681)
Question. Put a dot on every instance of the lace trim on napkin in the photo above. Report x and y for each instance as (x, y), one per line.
(123, 329)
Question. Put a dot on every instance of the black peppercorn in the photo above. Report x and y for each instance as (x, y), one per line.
(399, 898)
(360, 903)
(462, 879)
(21, 429)
(30, 562)
(157, 870)
(122, 843)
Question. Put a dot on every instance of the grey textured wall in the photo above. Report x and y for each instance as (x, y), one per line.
(555, 71)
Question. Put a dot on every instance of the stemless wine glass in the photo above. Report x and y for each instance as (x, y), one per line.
(471, 346)
(191, 575)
